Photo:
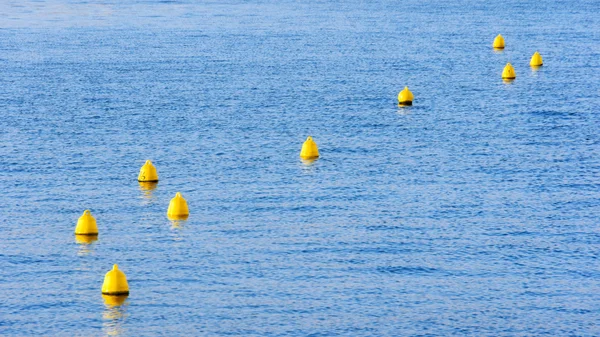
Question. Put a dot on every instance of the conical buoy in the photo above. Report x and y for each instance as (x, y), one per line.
(115, 282)
(148, 172)
(178, 208)
(86, 225)
(310, 150)
(536, 60)
(405, 97)
(499, 42)
(509, 72)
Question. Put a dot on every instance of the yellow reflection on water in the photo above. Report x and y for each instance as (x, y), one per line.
(147, 187)
(309, 162)
(498, 50)
(114, 314)
(85, 243)
(177, 222)
(535, 68)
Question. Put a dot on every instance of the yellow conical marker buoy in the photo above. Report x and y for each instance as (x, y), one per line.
(86, 225)
(310, 150)
(148, 173)
(536, 60)
(405, 97)
(115, 283)
(509, 72)
(178, 207)
(499, 42)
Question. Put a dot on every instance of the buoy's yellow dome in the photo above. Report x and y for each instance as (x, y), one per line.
(499, 42)
(509, 72)
(148, 173)
(115, 282)
(405, 97)
(86, 225)
(536, 60)
(178, 208)
(310, 150)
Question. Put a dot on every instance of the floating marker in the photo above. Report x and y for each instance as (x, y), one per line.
(178, 208)
(148, 173)
(115, 283)
(509, 72)
(536, 60)
(405, 97)
(499, 42)
(310, 150)
(86, 225)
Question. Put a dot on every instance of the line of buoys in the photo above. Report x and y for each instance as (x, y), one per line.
(405, 97)
(115, 288)
(508, 73)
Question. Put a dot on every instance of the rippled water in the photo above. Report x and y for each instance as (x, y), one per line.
(473, 212)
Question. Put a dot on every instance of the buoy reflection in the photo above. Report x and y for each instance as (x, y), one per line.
(114, 314)
(309, 162)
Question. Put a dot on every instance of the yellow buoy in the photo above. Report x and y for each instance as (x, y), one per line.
(178, 208)
(310, 150)
(148, 173)
(115, 282)
(499, 42)
(536, 60)
(86, 225)
(509, 72)
(405, 97)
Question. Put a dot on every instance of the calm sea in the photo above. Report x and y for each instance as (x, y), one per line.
(475, 212)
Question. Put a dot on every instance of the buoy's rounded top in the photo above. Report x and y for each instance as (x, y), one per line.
(309, 138)
(148, 162)
(115, 267)
(87, 212)
(178, 195)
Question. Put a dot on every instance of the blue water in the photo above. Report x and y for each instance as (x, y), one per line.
(472, 213)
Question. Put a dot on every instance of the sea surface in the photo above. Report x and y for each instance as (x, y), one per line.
(474, 212)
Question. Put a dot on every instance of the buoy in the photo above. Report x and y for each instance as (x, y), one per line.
(509, 72)
(405, 97)
(536, 60)
(499, 42)
(115, 282)
(86, 225)
(148, 173)
(178, 208)
(310, 150)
